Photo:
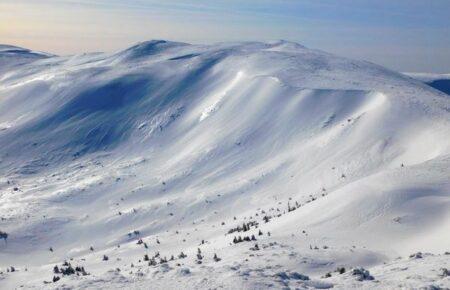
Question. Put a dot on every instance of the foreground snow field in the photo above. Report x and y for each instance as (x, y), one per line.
(297, 168)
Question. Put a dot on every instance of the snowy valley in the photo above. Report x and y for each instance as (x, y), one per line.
(235, 166)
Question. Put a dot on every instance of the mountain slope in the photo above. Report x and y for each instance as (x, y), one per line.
(440, 82)
(181, 143)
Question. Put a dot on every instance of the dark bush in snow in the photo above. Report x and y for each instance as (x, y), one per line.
(362, 274)
(282, 275)
(69, 270)
(444, 272)
(417, 255)
(3, 235)
(199, 256)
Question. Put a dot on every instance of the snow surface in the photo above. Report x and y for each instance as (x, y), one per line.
(177, 144)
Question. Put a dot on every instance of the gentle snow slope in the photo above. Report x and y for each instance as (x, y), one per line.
(184, 142)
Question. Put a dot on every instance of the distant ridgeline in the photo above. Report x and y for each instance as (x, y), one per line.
(440, 82)
(441, 85)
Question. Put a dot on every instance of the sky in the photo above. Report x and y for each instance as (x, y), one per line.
(404, 35)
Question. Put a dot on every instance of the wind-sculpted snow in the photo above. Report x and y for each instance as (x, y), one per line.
(177, 144)
(11, 56)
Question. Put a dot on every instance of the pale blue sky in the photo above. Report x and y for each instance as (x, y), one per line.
(406, 35)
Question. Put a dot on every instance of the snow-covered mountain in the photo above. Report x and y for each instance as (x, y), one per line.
(440, 82)
(169, 147)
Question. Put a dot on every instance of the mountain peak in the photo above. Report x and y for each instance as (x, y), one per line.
(150, 47)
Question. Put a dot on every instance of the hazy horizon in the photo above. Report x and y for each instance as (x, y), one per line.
(411, 36)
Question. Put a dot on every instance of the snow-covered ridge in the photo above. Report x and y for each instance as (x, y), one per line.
(428, 77)
(11, 56)
(181, 143)
(440, 82)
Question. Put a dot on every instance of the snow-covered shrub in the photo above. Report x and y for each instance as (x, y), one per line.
(444, 272)
(362, 274)
(417, 255)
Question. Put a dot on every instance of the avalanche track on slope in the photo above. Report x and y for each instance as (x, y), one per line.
(180, 143)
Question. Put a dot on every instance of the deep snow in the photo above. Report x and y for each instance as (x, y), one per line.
(180, 143)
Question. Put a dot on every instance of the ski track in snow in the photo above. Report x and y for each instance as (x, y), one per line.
(168, 147)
